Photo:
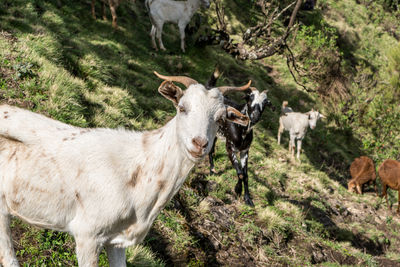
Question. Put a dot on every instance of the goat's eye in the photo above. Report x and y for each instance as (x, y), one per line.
(181, 108)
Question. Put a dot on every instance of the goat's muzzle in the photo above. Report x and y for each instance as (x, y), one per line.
(200, 145)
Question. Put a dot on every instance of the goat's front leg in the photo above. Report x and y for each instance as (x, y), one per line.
(280, 131)
(292, 145)
(298, 148)
(398, 203)
(103, 11)
(182, 33)
(153, 37)
(113, 8)
(244, 156)
(239, 172)
(116, 256)
(7, 255)
(87, 251)
(210, 157)
(384, 193)
(93, 9)
(159, 29)
(376, 189)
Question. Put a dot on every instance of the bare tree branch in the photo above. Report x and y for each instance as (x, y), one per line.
(248, 47)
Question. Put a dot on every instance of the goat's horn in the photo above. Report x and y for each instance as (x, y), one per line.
(186, 81)
(227, 89)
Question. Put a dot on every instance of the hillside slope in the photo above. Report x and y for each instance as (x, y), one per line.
(56, 60)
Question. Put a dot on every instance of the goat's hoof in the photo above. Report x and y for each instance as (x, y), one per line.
(163, 49)
(248, 201)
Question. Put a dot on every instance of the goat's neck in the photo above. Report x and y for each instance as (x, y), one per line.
(192, 6)
(171, 164)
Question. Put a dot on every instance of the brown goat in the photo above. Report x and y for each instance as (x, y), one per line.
(362, 171)
(389, 171)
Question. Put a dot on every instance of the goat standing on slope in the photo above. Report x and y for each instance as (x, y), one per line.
(362, 171)
(104, 186)
(113, 8)
(239, 138)
(389, 172)
(296, 123)
(179, 12)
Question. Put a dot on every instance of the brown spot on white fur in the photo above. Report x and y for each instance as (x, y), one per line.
(134, 177)
(161, 185)
(6, 116)
(160, 168)
(78, 198)
(15, 204)
(5, 112)
(145, 140)
(65, 139)
(12, 155)
(79, 173)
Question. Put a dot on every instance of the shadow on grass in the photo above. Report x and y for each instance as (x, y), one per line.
(203, 250)
(334, 232)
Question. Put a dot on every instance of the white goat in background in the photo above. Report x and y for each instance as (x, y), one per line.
(179, 12)
(104, 186)
(296, 123)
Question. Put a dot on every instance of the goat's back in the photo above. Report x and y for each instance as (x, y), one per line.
(166, 10)
(363, 169)
(295, 121)
(389, 171)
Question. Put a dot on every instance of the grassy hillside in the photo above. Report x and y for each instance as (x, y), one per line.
(56, 60)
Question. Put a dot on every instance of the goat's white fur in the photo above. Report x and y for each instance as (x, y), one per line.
(296, 123)
(179, 12)
(104, 186)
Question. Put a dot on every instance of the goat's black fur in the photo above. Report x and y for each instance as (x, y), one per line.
(239, 138)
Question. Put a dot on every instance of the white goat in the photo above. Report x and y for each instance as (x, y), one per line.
(296, 123)
(179, 12)
(104, 186)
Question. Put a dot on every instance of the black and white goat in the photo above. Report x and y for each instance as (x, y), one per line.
(239, 138)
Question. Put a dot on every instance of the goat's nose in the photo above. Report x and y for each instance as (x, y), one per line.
(200, 142)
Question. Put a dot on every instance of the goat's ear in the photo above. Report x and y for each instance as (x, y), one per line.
(235, 116)
(246, 96)
(322, 116)
(171, 91)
